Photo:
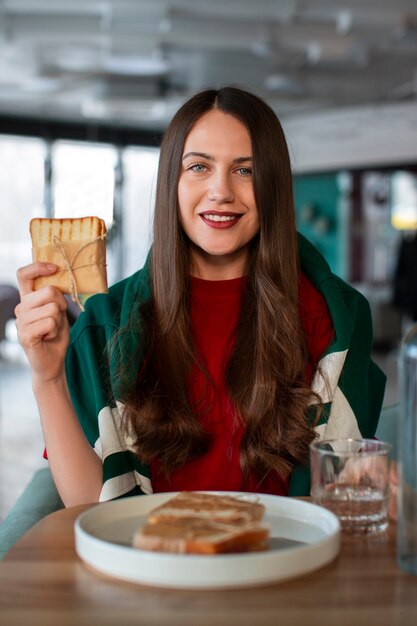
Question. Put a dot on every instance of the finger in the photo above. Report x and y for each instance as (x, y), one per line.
(28, 316)
(27, 274)
(39, 298)
(33, 334)
(60, 328)
(36, 324)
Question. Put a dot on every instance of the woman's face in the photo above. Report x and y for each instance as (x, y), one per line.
(217, 208)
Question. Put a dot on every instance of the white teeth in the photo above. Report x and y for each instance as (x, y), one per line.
(219, 218)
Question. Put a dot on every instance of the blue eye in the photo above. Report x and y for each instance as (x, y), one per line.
(197, 167)
(245, 171)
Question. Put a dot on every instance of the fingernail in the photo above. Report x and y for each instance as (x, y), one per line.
(50, 266)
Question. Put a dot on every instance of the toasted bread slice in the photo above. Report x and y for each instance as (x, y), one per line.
(209, 506)
(199, 536)
(77, 246)
(204, 523)
(43, 230)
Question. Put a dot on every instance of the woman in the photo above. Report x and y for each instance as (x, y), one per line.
(217, 364)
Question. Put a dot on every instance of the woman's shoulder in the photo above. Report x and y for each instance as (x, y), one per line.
(348, 308)
(320, 276)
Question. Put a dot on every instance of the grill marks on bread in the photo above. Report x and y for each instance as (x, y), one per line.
(201, 523)
(194, 505)
(43, 230)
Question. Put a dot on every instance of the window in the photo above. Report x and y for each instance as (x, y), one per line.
(83, 181)
(140, 167)
(404, 200)
(22, 193)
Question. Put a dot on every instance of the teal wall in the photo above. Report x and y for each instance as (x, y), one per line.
(321, 217)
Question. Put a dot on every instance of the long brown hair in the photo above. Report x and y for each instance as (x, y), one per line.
(266, 371)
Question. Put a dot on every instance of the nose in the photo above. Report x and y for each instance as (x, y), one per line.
(220, 189)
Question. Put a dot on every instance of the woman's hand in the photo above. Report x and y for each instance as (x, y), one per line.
(42, 323)
(43, 331)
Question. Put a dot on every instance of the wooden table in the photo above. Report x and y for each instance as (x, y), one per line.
(42, 582)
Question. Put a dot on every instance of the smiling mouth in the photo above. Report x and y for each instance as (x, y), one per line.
(220, 220)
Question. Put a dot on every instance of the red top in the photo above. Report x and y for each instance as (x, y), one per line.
(215, 307)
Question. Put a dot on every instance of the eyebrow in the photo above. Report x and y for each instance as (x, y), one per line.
(209, 157)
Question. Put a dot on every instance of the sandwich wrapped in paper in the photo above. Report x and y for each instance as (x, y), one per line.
(204, 523)
(78, 247)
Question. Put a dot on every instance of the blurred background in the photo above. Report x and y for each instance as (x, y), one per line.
(87, 88)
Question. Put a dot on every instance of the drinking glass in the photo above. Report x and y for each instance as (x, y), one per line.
(350, 477)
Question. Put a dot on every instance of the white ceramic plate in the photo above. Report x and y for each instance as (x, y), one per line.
(303, 538)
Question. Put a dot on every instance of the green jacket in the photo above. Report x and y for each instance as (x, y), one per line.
(350, 385)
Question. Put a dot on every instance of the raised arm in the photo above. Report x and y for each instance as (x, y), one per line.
(44, 334)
